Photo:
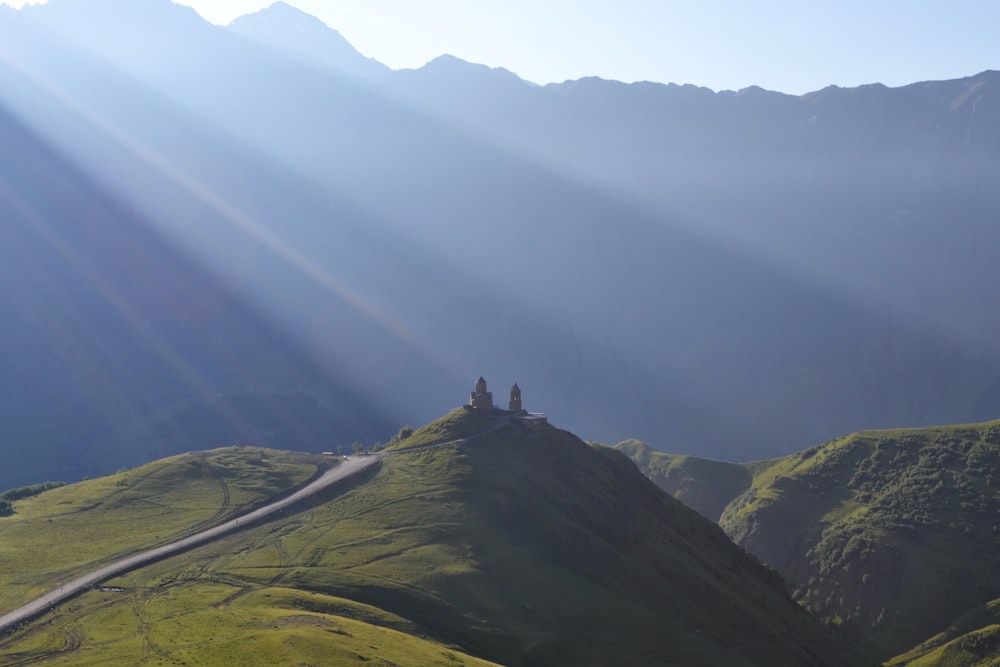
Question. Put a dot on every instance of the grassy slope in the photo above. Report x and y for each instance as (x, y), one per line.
(704, 484)
(524, 548)
(456, 425)
(215, 623)
(526, 520)
(170, 616)
(70, 529)
(891, 535)
(972, 641)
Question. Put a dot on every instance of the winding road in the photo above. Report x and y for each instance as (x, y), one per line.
(347, 468)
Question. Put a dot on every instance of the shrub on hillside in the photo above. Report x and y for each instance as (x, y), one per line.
(28, 491)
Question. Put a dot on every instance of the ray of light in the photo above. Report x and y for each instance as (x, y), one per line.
(160, 348)
(227, 211)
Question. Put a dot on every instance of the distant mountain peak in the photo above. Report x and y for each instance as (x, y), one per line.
(446, 61)
(449, 64)
(288, 29)
(281, 11)
(282, 6)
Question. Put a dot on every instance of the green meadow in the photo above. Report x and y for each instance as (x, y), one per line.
(63, 532)
(212, 623)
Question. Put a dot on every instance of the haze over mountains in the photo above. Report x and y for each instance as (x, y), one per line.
(195, 215)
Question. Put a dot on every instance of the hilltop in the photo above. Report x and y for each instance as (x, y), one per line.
(890, 535)
(519, 545)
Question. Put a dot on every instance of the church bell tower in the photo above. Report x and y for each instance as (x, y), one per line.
(515, 398)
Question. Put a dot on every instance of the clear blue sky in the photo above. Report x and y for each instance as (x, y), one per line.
(789, 45)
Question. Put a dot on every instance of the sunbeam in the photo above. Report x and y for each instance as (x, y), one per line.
(238, 222)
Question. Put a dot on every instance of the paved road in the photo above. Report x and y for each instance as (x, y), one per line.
(346, 469)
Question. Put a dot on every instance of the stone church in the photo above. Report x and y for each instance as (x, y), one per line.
(481, 400)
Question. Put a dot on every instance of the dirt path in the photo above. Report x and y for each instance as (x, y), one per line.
(347, 468)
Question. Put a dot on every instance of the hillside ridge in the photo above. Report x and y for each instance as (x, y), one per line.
(853, 525)
(522, 546)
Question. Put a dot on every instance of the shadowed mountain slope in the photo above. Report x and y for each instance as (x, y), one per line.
(702, 484)
(521, 546)
(115, 336)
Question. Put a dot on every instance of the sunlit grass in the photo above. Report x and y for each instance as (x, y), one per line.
(971, 641)
(67, 530)
(456, 424)
(218, 624)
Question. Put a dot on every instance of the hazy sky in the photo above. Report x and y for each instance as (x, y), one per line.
(789, 45)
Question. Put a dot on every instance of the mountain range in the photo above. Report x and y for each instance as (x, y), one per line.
(258, 235)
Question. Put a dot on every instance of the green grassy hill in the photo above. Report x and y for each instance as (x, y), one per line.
(972, 641)
(69, 530)
(890, 535)
(518, 546)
